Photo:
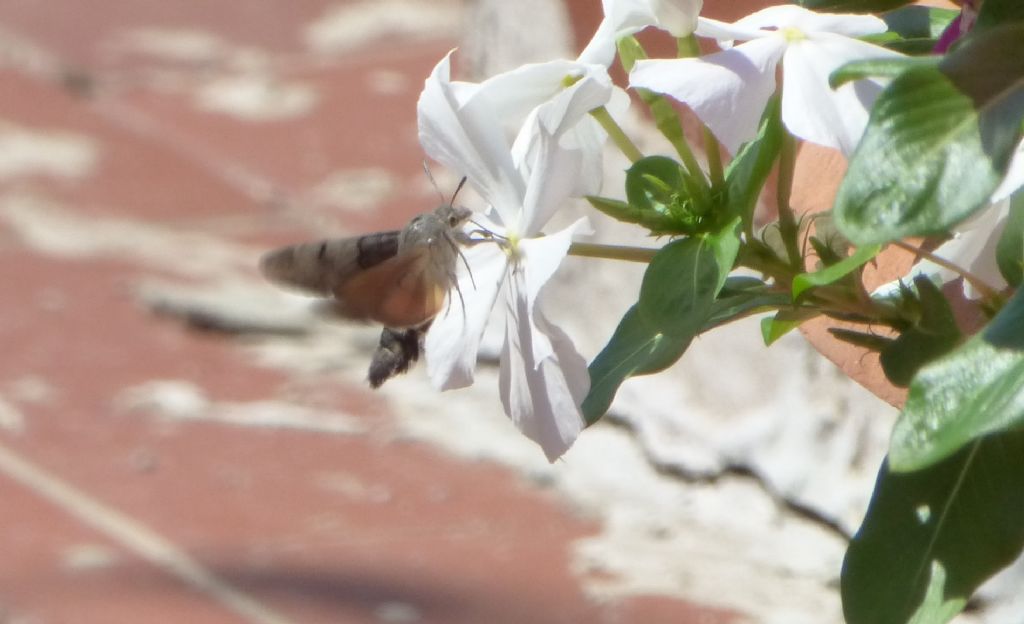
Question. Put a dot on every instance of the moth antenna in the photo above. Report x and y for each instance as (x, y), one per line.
(430, 176)
(458, 188)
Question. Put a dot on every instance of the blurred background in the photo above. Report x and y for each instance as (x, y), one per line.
(180, 441)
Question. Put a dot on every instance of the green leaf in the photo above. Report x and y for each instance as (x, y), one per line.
(919, 22)
(996, 12)
(975, 390)
(747, 173)
(725, 244)
(683, 279)
(651, 181)
(1010, 248)
(932, 336)
(834, 272)
(654, 221)
(741, 297)
(784, 321)
(871, 342)
(931, 537)
(852, 6)
(676, 299)
(828, 242)
(636, 348)
(679, 287)
(878, 68)
(827, 254)
(938, 142)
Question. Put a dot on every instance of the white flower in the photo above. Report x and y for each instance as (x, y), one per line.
(543, 379)
(728, 90)
(625, 17)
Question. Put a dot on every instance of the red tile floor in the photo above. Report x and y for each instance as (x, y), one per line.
(154, 138)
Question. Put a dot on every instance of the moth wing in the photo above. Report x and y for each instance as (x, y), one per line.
(320, 267)
(402, 291)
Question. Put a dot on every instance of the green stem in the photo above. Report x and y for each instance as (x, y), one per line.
(687, 47)
(787, 220)
(714, 154)
(666, 119)
(612, 252)
(616, 134)
(830, 299)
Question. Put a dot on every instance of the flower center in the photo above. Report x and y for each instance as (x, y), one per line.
(792, 34)
(511, 248)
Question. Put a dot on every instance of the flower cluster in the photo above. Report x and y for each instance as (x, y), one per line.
(930, 119)
(527, 141)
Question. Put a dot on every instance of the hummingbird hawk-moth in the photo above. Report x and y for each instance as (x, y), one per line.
(399, 279)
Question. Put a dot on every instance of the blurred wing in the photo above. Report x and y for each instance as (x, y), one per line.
(320, 267)
(402, 291)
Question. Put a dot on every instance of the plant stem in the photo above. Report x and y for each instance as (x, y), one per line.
(666, 119)
(987, 290)
(616, 134)
(687, 47)
(714, 154)
(830, 299)
(787, 220)
(612, 252)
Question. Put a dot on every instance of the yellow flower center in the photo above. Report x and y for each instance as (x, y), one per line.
(792, 35)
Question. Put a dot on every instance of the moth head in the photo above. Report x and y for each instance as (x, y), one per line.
(453, 216)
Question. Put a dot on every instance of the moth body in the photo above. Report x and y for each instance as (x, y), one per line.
(399, 279)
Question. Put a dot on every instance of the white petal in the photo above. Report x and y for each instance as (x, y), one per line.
(453, 340)
(466, 138)
(602, 46)
(792, 16)
(512, 95)
(625, 17)
(728, 90)
(811, 110)
(552, 173)
(565, 117)
(588, 138)
(628, 16)
(539, 258)
(678, 17)
(1014, 176)
(725, 32)
(565, 109)
(542, 398)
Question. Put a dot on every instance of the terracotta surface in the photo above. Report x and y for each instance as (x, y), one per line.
(818, 173)
(114, 514)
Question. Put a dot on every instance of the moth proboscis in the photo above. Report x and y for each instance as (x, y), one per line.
(399, 278)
